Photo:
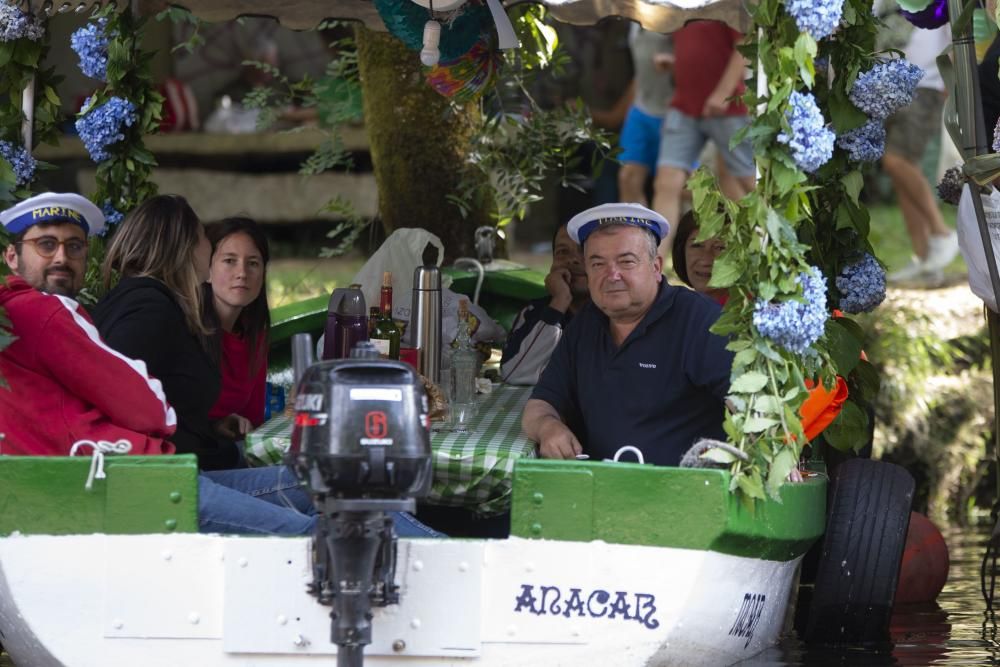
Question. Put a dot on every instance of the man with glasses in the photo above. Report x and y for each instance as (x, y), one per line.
(64, 383)
(638, 365)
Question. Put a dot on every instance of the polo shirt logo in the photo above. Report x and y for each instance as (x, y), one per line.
(642, 365)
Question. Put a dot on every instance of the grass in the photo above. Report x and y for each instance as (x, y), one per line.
(891, 242)
(294, 279)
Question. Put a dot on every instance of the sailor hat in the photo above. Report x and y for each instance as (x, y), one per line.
(52, 208)
(583, 224)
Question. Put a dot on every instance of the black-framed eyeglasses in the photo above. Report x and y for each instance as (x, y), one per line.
(48, 246)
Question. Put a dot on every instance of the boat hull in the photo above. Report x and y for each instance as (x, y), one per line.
(208, 600)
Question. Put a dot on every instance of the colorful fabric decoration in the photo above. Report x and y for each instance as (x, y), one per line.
(465, 78)
(405, 20)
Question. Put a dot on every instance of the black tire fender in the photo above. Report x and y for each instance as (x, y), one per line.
(858, 570)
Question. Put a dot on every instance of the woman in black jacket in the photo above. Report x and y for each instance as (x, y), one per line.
(154, 314)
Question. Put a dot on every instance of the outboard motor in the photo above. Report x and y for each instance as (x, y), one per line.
(361, 443)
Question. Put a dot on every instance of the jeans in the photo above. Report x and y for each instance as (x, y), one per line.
(270, 501)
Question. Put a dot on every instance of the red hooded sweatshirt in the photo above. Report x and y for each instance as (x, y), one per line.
(65, 384)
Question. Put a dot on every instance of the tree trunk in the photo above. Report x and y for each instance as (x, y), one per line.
(419, 145)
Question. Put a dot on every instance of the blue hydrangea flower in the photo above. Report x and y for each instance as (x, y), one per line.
(91, 45)
(861, 285)
(886, 88)
(795, 325)
(20, 159)
(865, 143)
(105, 125)
(111, 215)
(15, 24)
(811, 142)
(818, 18)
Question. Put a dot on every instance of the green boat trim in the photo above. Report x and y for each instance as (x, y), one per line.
(688, 508)
(45, 495)
(619, 503)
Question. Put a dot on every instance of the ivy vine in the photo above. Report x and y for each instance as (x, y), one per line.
(789, 240)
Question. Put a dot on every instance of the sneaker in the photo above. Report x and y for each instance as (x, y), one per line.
(940, 251)
(912, 271)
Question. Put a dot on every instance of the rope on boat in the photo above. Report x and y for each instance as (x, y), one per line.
(100, 448)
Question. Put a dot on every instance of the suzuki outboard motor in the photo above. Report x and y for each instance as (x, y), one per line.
(361, 443)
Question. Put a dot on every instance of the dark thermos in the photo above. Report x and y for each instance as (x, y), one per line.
(425, 318)
(346, 322)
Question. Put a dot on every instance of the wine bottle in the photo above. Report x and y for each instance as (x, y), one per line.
(385, 333)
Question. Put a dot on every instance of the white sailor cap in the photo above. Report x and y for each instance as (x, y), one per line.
(51, 208)
(583, 224)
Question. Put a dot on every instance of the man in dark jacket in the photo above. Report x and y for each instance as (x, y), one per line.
(539, 326)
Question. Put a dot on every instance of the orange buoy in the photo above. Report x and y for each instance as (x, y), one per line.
(924, 569)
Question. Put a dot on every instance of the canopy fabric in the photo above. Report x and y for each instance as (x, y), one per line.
(656, 15)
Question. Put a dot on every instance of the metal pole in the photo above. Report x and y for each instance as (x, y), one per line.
(28, 109)
(968, 103)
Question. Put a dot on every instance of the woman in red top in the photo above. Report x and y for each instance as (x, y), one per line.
(235, 307)
(693, 261)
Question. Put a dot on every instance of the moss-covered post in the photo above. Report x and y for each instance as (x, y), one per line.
(418, 144)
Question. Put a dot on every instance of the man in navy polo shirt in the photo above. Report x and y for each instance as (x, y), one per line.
(638, 365)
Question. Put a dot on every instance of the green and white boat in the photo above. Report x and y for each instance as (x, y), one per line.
(607, 563)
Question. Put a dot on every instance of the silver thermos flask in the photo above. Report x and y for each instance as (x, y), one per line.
(425, 318)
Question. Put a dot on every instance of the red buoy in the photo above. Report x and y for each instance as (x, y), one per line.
(924, 569)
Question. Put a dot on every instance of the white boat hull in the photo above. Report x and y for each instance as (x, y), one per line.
(210, 600)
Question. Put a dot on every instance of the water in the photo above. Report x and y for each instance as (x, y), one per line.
(954, 631)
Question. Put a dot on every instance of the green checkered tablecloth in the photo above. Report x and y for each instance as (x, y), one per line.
(471, 469)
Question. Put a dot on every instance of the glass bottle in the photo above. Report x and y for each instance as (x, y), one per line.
(385, 333)
(373, 315)
(464, 364)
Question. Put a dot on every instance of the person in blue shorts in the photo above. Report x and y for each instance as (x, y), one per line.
(650, 89)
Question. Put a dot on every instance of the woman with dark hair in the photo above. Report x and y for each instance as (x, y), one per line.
(154, 314)
(235, 308)
(693, 259)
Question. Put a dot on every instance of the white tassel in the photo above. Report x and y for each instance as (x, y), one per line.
(430, 54)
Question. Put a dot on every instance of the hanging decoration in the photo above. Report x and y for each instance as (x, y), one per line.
(467, 77)
(460, 29)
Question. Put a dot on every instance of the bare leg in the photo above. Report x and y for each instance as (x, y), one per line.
(732, 187)
(916, 202)
(632, 182)
(667, 187)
